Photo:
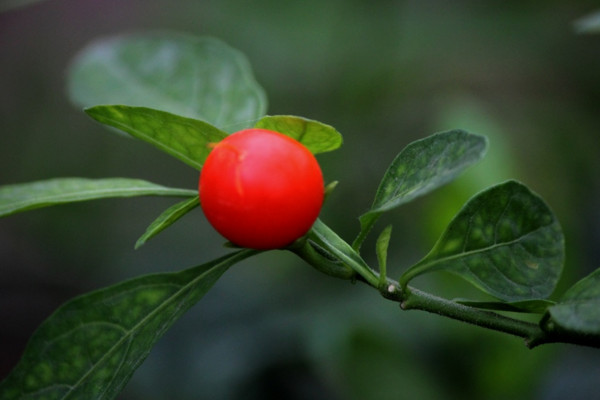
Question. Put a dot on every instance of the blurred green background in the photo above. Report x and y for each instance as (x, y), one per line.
(383, 73)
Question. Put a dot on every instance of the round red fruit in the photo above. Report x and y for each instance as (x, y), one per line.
(261, 189)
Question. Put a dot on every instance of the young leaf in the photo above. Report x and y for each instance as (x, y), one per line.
(183, 138)
(329, 188)
(167, 218)
(381, 247)
(21, 197)
(579, 308)
(201, 78)
(421, 167)
(90, 347)
(316, 136)
(505, 241)
(321, 259)
(335, 245)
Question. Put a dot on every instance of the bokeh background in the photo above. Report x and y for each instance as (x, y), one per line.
(383, 73)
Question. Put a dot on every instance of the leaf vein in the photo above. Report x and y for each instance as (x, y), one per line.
(128, 332)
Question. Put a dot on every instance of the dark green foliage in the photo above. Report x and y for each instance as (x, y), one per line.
(90, 347)
(505, 241)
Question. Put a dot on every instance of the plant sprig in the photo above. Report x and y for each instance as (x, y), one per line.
(505, 241)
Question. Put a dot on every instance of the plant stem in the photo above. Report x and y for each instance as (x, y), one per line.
(325, 250)
(414, 299)
(534, 334)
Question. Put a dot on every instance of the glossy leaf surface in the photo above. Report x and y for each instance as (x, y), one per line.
(381, 249)
(90, 347)
(167, 218)
(28, 196)
(505, 240)
(186, 139)
(316, 136)
(201, 78)
(421, 167)
(579, 308)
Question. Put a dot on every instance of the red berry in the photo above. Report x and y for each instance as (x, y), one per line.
(261, 189)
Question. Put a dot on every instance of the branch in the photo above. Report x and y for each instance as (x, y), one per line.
(414, 299)
(326, 251)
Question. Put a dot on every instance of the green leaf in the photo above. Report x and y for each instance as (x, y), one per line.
(381, 247)
(90, 347)
(321, 259)
(183, 138)
(21, 197)
(579, 308)
(427, 164)
(196, 77)
(421, 167)
(316, 136)
(167, 218)
(505, 241)
(329, 188)
(341, 250)
(526, 306)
